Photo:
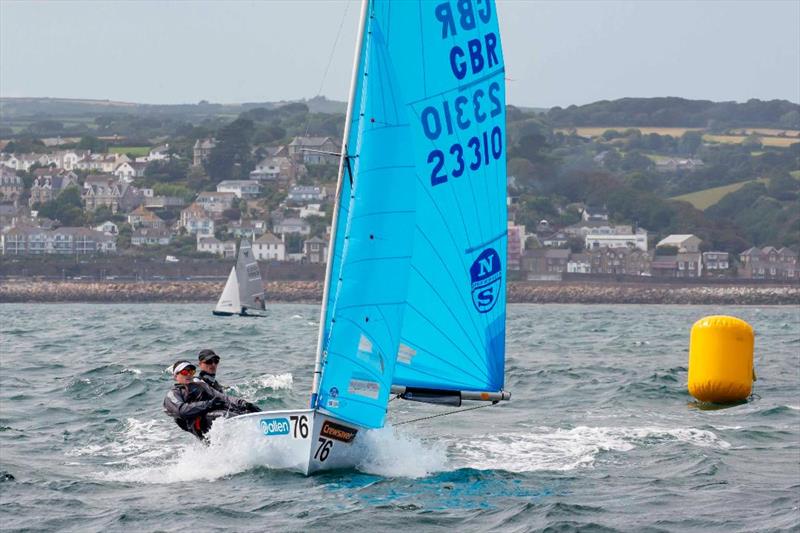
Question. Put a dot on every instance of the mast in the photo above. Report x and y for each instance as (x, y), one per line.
(335, 218)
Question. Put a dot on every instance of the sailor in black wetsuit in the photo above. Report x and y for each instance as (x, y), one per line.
(194, 405)
(209, 362)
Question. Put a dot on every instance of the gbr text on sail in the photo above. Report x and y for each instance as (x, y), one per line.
(464, 126)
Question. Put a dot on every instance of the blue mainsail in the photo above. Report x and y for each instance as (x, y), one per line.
(417, 284)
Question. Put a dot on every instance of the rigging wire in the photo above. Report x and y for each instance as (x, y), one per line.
(330, 60)
(441, 414)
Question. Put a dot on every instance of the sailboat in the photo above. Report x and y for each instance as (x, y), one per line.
(244, 291)
(414, 302)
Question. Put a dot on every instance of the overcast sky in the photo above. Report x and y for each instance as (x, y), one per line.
(557, 52)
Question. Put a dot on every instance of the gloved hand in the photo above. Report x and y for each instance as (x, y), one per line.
(219, 403)
(251, 407)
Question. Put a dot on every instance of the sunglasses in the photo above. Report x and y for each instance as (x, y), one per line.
(212, 361)
(187, 372)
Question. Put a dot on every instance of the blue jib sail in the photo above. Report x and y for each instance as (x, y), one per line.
(417, 290)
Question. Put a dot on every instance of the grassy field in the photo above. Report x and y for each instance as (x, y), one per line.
(135, 150)
(766, 141)
(768, 132)
(795, 174)
(596, 132)
(707, 197)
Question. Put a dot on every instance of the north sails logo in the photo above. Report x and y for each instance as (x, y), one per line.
(485, 276)
(274, 426)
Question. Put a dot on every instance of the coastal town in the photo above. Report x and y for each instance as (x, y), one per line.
(297, 230)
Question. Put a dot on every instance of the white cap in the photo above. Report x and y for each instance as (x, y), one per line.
(180, 365)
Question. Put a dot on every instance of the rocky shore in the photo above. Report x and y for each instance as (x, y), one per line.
(311, 292)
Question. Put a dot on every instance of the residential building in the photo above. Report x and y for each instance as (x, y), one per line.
(159, 153)
(292, 225)
(269, 247)
(311, 210)
(212, 245)
(314, 150)
(49, 186)
(664, 266)
(202, 149)
(303, 194)
(620, 261)
(196, 221)
(769, 263)
(29, 240)
(160, 202)
(690, 265)
(683, 242)
(11, 185)
(108, 227)
(275, 168)
(558, 239)
(516, 245)
(637, 240)
(673, 164)
(215, 202)
(579, 264)
(315, 250)
(715, 262)
(247, 228)
(548, 262)
(106, 191)
(125, 172)
(594, 213)
(241, 188)
(597, 227)
(142, 218)
(150, 237)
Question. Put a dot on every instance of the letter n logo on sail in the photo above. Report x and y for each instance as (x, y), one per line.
(485, 274)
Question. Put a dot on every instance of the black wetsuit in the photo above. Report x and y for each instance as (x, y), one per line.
(211, 379)
(196, 405)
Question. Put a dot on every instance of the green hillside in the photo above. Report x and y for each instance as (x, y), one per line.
(707, 197)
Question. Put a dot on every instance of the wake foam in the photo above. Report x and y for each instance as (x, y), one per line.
(255, 387)
(567, 449)
(390, 453)
(149, 452)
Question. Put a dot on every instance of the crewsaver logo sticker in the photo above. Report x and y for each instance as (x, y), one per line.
(274, 426)
(338, 432)
(485, 277)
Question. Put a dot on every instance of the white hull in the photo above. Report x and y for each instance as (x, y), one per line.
(309, 441)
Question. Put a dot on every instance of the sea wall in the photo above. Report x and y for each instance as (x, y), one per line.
(311, 291)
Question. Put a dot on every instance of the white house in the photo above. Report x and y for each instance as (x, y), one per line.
(159, 153)
(212, 245)
(637, 240)
(241, 188)
(579, 264)
(108, 227)
(215, 202)
(196, 221)
(125, 172)
(150, 237)
(292, 225)
(306, 193)
(269, 247)
(311, 210)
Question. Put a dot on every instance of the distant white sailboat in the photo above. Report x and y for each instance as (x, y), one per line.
(244, 291)
(414, 304)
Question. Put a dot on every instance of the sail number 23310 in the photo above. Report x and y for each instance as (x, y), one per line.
(449, 118)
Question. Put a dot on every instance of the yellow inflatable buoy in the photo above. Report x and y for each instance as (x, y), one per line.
(721, 359)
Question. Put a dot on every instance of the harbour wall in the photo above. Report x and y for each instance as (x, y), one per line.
(26, 290)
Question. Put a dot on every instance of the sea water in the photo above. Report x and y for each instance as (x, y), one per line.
(600, 433)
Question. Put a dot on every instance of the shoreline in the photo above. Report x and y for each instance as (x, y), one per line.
(572, 292)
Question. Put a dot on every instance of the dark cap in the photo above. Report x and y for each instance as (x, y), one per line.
(206, 354)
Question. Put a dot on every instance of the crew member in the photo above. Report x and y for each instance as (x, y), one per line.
(194, 405)
(209, 362)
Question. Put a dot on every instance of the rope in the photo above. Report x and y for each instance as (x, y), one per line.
(444, 414)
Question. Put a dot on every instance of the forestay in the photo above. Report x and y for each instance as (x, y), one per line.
(416, 289)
